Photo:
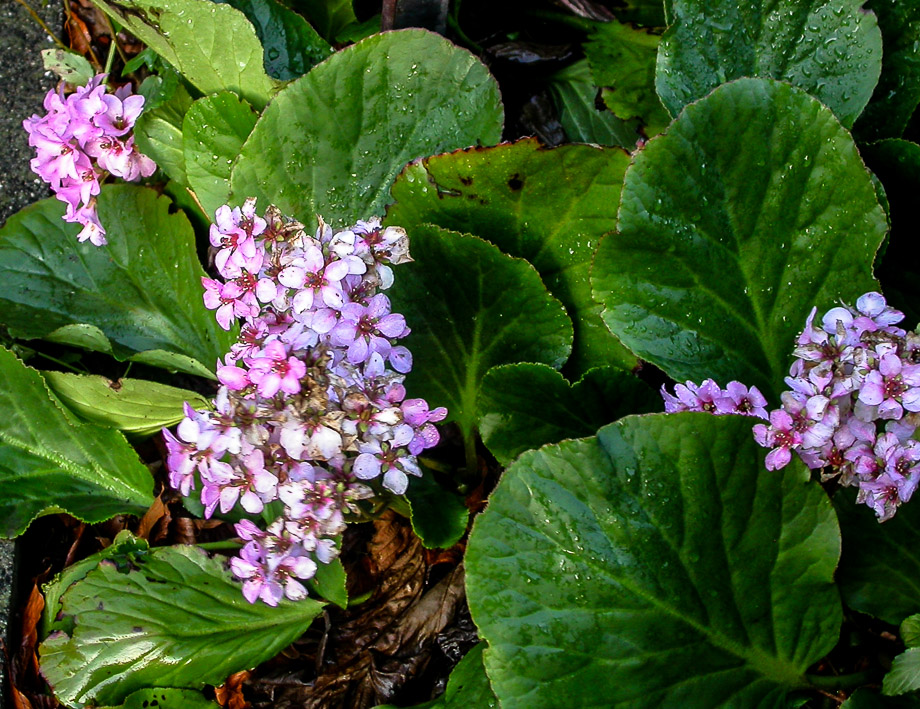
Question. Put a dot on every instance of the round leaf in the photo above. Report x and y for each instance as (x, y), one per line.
(291, 46)
(470, 308)
(142, 291)
(623, 59)
(332, 142)
(753, 208)
(214, 130)
(549, 206)
(830, 48)
(178, 619)
(49, 462)
(654, 565)
(212, 45)
(526, 405)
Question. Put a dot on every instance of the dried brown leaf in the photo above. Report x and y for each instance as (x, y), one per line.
(230, 694)
(157, 511)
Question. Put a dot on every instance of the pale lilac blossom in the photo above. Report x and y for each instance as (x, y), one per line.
(311, 409)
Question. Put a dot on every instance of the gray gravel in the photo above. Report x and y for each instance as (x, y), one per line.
(23, 84)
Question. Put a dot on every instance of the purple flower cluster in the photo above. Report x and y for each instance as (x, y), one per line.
(852, 407)
(735, 399)
(82, 137)
(311, 409)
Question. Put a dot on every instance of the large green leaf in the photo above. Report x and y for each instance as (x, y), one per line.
(333, 142)
(524, 406)
(866, 698)
(897, 165)
(439, 515)
(753, 208)
(158, 131)
(176, 619)
(213, 132)
(470, 308)
(830, 48)
(166, 699)
(898, 91)
(329, 17)
(49, 462)
(575, 94)
(135, 406)
(138, 297)
(622, 59)
(904, 675)
(655, 565)
(549, 206)
(212, 45)
(123, 550)
(880, 567)
(291, 46)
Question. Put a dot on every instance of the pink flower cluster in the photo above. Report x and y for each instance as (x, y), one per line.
(311, 409)
(852, 407)
(82, 137)
(735, 399)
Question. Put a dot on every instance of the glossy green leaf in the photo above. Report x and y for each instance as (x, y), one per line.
(575, 94)
(176, 619)
(158, 132)
(897, 165)
(830, 48)
(329, 17)
(140, 296)
(211, 45)
(471, 307)
(467, 687)
(135, 406)
(524, 406)
(549, 206)
(910, 631)
(166, 699)
(753, 208)
(214, 130)
(49, 462)
(654, 565)
(439, 515)
(866, 698)
(898, 91)
(291, 46)
(904, 675)
(622, 59)
(333, 142)
(880, 567)
(329, 583)
(122, 551)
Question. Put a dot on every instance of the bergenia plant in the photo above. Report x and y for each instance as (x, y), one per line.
(311, 410)
(599, 370)
(82, 138)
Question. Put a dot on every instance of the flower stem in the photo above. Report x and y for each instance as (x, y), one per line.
(41, 22)
(111, 57)
(848, 681)
(472, 458)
